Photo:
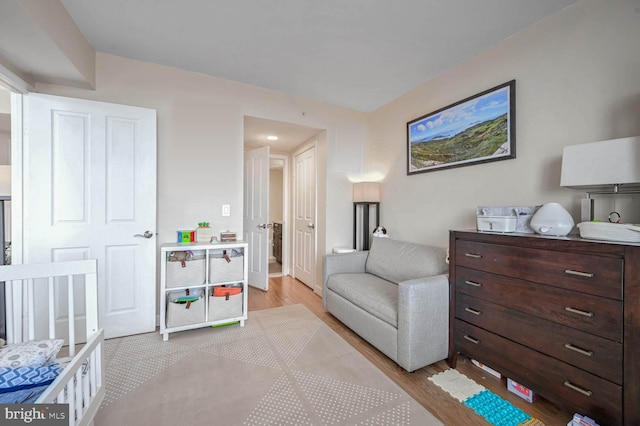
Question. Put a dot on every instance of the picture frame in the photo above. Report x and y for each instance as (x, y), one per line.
(478, 129)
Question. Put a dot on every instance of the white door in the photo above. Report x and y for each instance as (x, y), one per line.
(89, 182)
(256, 215)
(304, 268)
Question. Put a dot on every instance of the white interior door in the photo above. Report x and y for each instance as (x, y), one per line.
(304, 268)
(89, 182)
(256, 215)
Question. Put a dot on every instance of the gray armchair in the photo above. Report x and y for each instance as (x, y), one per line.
(395, 296)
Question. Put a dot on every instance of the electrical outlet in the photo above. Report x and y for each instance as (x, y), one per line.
(226, 210)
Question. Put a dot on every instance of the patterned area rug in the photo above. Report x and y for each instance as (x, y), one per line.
(284, 367)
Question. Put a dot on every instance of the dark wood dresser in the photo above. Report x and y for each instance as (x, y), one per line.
(559, 315)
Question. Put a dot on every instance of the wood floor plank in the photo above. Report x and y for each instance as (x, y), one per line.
(288, 291)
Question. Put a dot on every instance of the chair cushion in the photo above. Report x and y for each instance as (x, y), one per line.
(398, 261)
(373, 294)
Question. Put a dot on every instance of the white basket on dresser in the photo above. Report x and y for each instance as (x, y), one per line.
(610, 231)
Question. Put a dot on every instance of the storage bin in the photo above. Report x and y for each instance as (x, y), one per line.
(193, 273)
(226, 266)
(185, 313)
(225, 306)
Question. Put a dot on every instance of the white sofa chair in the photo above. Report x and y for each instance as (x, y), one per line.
(395, 296)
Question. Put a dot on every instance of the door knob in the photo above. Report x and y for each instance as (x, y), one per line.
(312, 226)
(147, 234)
(264, 225)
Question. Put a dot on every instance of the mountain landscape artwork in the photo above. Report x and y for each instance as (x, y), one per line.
(478, 129)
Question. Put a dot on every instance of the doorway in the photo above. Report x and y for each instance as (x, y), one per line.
(283, 139)
(278, 194)
(304, 215)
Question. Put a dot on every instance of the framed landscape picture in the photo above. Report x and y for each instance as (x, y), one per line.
(475, 130)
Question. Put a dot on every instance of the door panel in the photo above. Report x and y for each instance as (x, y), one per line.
(256, 215)
(121, 170)
(305, 217)
(89, 180)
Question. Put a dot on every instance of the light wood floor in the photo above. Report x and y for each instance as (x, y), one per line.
(288, 291)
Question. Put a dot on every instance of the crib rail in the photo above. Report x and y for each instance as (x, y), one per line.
(80, 384)
(22, 282)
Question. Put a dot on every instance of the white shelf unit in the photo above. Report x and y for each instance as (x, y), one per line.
(176, 282)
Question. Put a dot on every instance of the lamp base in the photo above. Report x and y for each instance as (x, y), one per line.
(586, 210)
(366, 231)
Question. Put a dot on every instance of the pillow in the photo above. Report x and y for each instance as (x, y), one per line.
(35, 353)
(13, 379)
(398, 261)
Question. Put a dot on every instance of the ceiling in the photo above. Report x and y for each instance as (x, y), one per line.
(359, 54)
(290, 136)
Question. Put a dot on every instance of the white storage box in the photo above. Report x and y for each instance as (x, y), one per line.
(191, 274)
(523, 215)
(204, 234)
(487, 369)
(497, 223)
(185, 313)
(226, 266)
(610, 231)
(522, 391)
(225, 307)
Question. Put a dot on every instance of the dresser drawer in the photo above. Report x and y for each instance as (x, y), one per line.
(598, 275)
(596, 315)
(599, 356)
(551, 378)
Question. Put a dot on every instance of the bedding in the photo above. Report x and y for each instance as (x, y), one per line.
(13, 379)
(25, 384)
(26, 369)
(24, 396)
(34, 353)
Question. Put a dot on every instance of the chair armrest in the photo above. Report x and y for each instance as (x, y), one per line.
(344, 263)
(423, 321)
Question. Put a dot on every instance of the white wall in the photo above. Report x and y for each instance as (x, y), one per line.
(200, 140)
(577, 80)
(5, 127)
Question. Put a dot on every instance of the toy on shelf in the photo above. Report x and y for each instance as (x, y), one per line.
(186, 236)
(204, 232)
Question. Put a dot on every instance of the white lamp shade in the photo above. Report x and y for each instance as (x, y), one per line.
(366, 192)
(597, 164)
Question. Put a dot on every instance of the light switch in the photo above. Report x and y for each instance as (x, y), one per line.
(226, 210)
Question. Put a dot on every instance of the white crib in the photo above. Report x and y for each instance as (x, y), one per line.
(81, 382)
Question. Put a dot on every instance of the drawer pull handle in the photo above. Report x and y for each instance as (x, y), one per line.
(577, 388)
(472, 311)
(471, 339)
(577, 349)
(473, 283)
(475, 256)
(578, 273)
(578, 311)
